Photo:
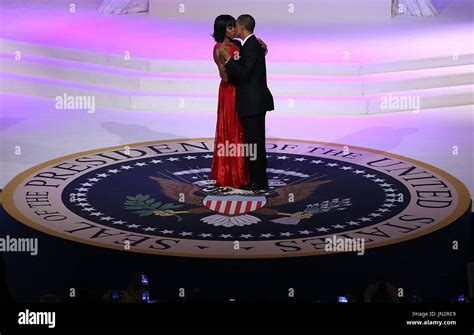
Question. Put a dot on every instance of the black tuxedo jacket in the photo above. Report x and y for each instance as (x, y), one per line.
(249, 73)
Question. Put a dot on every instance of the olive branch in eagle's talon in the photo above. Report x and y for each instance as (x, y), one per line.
(145, 206)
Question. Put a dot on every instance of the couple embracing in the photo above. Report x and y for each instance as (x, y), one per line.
(240, 159)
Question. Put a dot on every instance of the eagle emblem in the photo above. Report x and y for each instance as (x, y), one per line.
(233, 209)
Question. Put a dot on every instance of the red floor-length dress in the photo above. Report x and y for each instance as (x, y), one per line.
(229, 171)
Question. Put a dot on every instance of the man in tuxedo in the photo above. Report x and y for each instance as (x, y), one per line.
(253, 98)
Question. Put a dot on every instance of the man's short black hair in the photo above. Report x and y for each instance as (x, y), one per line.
(220, 25)
(247, 21)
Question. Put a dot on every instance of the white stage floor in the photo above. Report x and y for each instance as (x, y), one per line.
(49, 22)
(43, 133)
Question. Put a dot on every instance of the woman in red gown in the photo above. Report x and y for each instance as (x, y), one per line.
(227, 170)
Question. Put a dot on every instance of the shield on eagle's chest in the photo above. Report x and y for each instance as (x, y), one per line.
(234, 204)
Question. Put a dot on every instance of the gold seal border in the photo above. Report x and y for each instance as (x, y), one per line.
(6, 199)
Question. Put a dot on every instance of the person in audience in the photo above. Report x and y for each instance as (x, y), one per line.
(133, 294)
(380, 292)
